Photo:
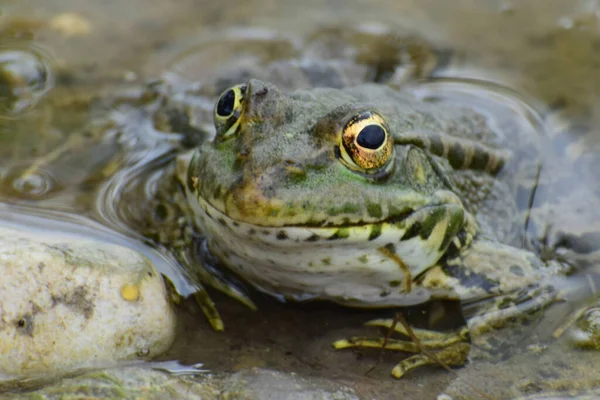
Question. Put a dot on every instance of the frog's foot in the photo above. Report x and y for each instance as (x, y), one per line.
(445, 349)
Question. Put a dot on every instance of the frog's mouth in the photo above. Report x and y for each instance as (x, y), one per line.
(418, 237)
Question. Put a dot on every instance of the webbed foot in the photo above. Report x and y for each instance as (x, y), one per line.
(449, 349)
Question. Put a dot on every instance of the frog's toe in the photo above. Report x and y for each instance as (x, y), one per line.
(453, 356)
(209, 309)
(362, 341)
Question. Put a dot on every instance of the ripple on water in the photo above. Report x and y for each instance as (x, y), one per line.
(27, 183)
(231, 54)
(25, 78)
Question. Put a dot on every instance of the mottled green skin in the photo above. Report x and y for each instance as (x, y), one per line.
(300, 130)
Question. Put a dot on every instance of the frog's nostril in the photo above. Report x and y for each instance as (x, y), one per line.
(261, 92)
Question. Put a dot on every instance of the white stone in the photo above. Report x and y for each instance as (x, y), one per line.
(68, 303)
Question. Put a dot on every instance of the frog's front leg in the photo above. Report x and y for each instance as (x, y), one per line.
(498, 284)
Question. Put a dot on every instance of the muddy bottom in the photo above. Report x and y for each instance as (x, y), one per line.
(296, 338)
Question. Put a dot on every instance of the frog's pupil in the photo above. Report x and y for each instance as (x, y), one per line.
(226, 103)
(371, 137)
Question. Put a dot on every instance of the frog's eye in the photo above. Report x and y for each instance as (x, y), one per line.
(228, 111)
(366, 144)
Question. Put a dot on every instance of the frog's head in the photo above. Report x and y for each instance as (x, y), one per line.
(324, 159)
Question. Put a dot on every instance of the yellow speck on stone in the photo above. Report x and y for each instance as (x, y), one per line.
(130, 292)
(71, 24)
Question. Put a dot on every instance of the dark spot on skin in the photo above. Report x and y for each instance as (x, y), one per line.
(326, 261)
(469, 278)
(436, 146)
(452, 252)
(398, 215)
(339, 234)
(430, 223)
(390, 247)
(456, 155)
(41, 266)
(313, 238)
(516, 270)
(412, 231)
(265, 232)
(335, 236)
(350, 208)
(394, 283)
(261, 92)
(363, 259)
(375, 232)
(384, 294)
(236, 224)
(453, 230)
(374, 210)
(222, 222)
(217, 192)
(447, 239)
(480, 158)
(251, 231)
(281, 235)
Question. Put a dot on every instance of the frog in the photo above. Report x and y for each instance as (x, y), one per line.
(369, 197)
(349, 188)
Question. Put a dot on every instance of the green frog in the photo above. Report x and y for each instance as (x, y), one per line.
(369, 196)
(350, 182)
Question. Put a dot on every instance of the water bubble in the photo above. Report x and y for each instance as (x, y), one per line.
(25, 77)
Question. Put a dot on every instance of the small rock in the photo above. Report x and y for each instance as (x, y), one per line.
(68, 303)
(71, 24)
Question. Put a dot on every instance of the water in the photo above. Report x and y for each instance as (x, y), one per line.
(539, 61)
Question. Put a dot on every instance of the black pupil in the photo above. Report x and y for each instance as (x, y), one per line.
(371, 137)
(225, 104)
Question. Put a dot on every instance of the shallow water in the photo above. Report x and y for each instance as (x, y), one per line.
(543, 55)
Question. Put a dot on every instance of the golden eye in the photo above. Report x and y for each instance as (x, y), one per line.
(366, 144)
(228, 111)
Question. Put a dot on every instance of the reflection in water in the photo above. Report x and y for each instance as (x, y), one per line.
(26, 184)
